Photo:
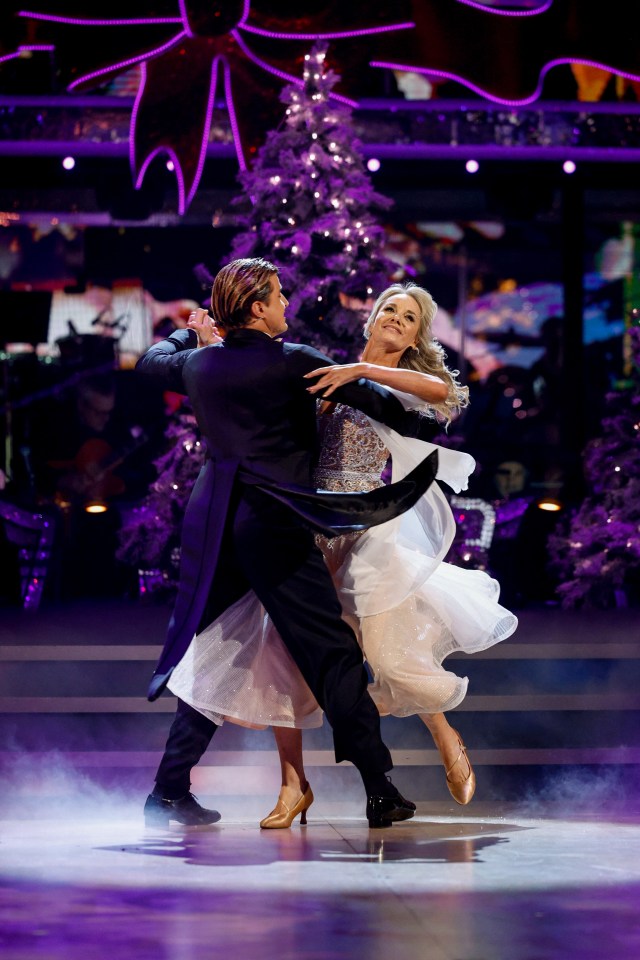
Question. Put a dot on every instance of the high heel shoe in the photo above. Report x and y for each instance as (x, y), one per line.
(283, 816)
(462, 790)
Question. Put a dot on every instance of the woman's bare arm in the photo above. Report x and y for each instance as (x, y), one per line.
(421, 385)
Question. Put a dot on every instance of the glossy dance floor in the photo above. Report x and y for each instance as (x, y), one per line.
(483, 884)
(544, 863)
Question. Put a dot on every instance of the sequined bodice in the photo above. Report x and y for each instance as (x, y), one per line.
(352, 456)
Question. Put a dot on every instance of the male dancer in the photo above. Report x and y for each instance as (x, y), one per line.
(243, 526)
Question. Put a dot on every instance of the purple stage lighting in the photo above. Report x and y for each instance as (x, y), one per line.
(472, 166)
(373, 164)
(68, 163)
(569, 166)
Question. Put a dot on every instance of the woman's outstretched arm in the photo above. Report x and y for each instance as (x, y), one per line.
(424, 386)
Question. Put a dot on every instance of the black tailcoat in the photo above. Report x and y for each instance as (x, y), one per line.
(242, 526)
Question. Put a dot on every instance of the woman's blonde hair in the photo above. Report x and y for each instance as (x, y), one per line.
(236, 287)
(429, 355)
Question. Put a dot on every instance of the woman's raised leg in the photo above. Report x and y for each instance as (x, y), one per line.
(461, 780)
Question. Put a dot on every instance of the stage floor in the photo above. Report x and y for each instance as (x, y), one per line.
(486, 884)
(544, 864)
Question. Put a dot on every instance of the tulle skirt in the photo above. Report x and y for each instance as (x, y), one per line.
(239, 669)
(456, 610)
(409, 609)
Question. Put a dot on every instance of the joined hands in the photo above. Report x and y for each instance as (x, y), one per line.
(204, 326)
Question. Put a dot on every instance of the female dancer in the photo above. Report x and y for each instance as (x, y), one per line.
(408, 608)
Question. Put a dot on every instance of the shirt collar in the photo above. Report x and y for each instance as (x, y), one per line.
(246, 333)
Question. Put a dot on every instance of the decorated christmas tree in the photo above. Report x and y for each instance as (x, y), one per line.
(150, 540)
(308, 204)
(309, 208)
(597, 558)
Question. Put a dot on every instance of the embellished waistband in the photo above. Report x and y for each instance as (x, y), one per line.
(356, 479)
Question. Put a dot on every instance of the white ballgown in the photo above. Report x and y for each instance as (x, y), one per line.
(409, 608)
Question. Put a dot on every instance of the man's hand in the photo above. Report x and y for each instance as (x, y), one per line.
(330, 378)
(204, 326)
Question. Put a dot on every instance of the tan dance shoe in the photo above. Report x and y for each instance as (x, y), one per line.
(462, 790)
(283, 816)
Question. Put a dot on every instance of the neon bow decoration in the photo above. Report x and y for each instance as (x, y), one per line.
(504, 55)
(184, 60)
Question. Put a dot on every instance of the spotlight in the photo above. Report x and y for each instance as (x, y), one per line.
(569, 166)
(549, 505)
(96, 506)
(373, 164)
(472, 166)
(171, 165)
(68, 163)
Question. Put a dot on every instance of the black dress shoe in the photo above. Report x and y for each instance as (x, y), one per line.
(382, 811)
(186, 810)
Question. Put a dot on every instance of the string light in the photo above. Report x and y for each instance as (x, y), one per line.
(488, 520)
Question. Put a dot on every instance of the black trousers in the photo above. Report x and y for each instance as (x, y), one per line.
(267, 548)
